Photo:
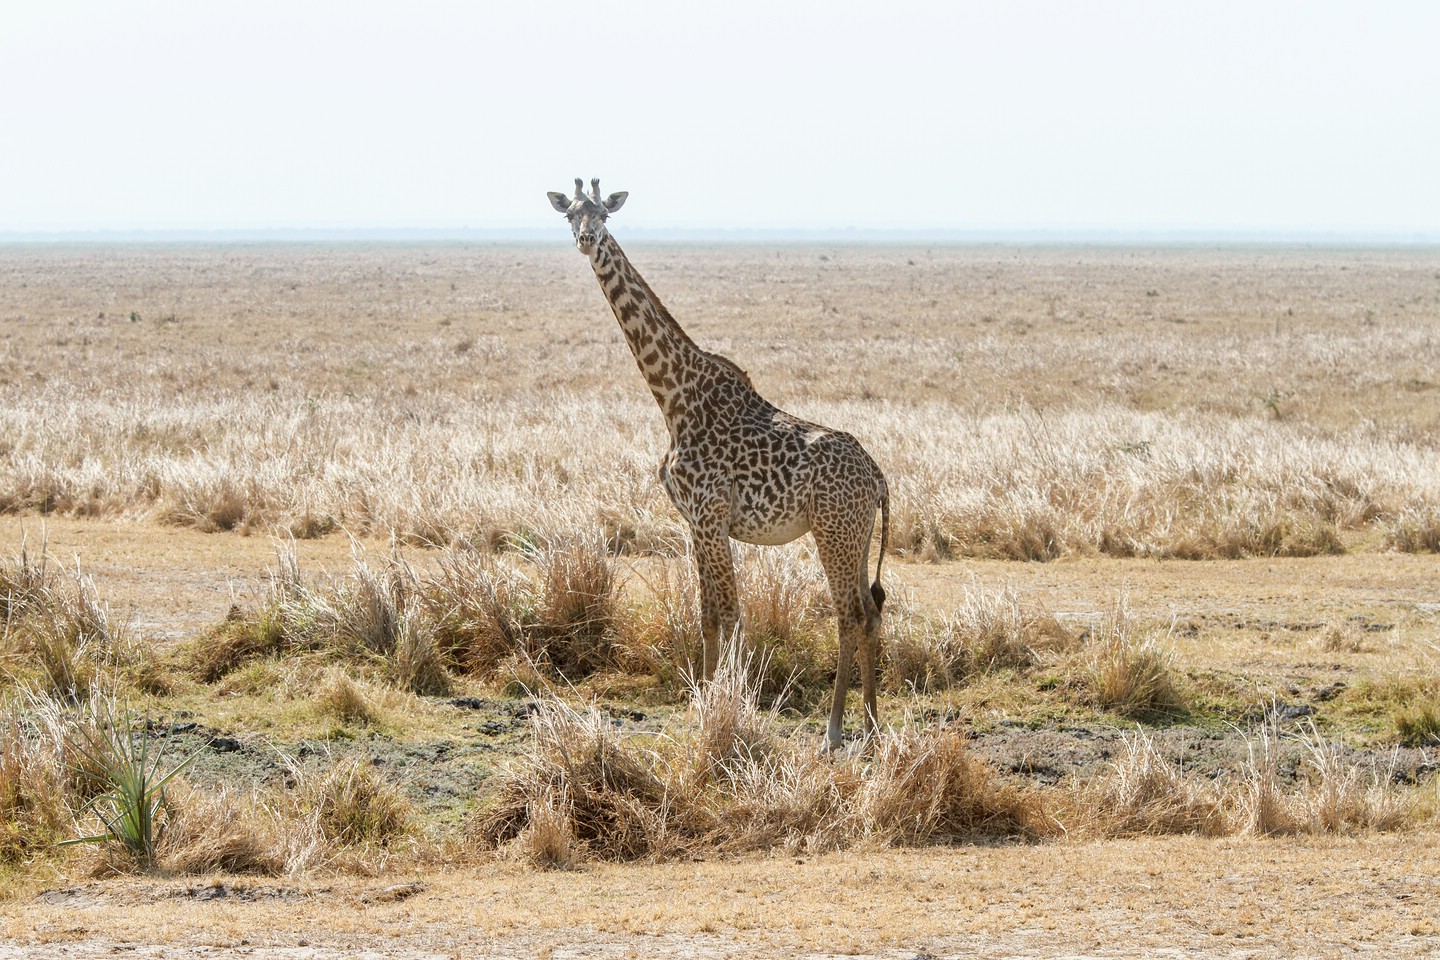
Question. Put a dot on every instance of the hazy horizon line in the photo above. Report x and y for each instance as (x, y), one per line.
(879, 235)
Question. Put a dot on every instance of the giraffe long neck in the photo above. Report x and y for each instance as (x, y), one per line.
(667, 357)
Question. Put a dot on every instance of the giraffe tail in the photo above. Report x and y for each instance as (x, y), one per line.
(877, 591)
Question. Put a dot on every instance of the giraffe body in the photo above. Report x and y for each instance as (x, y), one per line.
(739, 467)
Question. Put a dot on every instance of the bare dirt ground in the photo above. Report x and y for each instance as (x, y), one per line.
(1177, 897)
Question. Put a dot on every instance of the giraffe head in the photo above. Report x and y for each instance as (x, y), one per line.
(587, 213)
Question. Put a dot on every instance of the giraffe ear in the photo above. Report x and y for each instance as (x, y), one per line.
(559, 201)
(615, 201)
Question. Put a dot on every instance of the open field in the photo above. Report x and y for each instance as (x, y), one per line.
(379, 526)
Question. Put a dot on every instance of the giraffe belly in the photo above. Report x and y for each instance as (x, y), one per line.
(768, 531)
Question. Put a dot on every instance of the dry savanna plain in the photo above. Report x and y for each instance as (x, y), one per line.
(342, 613)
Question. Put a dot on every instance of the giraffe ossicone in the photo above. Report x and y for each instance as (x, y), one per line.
(739, 467)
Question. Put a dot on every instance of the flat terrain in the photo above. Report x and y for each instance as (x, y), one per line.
(1240, 445)
(1177, 897)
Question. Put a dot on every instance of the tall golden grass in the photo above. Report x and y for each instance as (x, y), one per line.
(1024, 485)
(1024, 404)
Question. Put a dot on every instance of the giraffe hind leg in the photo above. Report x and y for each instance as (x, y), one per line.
(852, 616)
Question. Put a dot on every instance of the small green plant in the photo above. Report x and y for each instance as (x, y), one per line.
(1418, 725)
(112, 747)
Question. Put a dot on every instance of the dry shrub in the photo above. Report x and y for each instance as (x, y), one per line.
(372, 617)
(613, 803)
(924, 786)
(293, 618)
(1129, 672)
(352, 804)
(207, 831)
(1144, 794)
(1415, 530)
(578, 607)
(988, 632)
(33, 805)
(484, 615)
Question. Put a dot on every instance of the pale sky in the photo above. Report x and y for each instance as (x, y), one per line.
(1227, 116)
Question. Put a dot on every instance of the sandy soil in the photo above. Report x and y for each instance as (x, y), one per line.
(1175, 897)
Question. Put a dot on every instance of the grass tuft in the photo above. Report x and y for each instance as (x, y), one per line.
(614, 803)
(1144, 794)
(33, 805)
(1415, 530)
(1418, 724)
(1128, 672)
(352, 804)
(578, 608)
(988, 632)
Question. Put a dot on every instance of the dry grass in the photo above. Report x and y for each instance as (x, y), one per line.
(346, 700)
(351, 804)
(591, 790)
(1129, 670)
(1333, 796)
(1225, 427)
(220, 831)
(58, 635)
(1416, 529)
(988, 631)
(33, 806)
(1144, 794)
(731, 778)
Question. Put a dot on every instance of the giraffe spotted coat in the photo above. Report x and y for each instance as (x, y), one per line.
(739, 467)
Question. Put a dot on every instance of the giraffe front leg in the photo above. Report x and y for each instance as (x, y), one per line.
(719, 598)
(834, 734)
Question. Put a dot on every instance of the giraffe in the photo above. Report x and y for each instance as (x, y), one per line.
(738, 467)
